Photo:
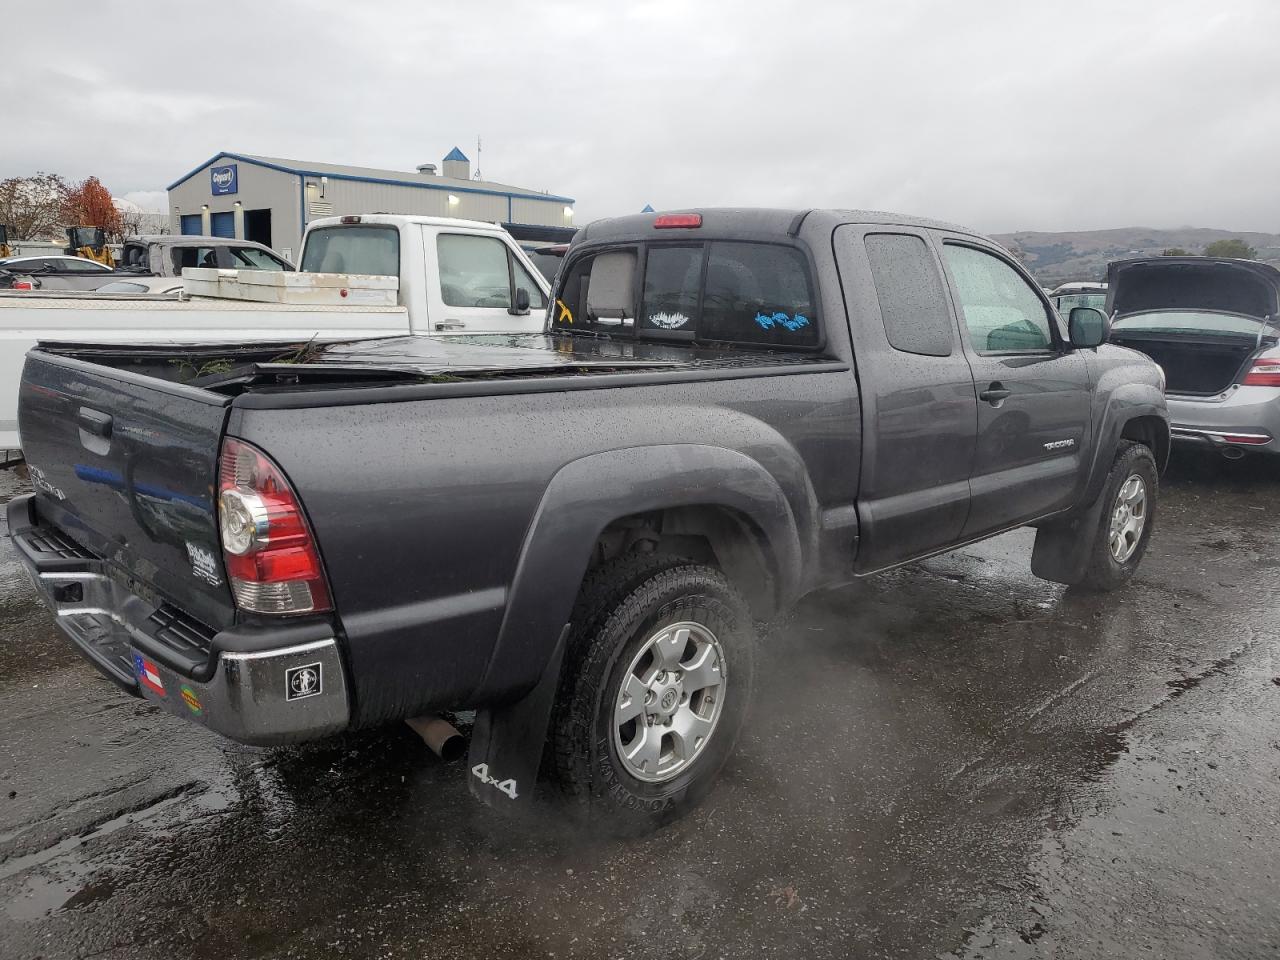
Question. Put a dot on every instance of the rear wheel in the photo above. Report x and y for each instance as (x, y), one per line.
(654, 691)
(1128, 517)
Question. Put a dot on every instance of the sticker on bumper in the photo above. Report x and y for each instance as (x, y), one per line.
(191, 700)
(148, 674)
(303, 682)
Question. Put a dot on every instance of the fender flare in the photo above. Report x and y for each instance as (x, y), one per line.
(588, 494)
(1126, 402)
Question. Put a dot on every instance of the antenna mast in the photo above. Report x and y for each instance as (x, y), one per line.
(477, 175)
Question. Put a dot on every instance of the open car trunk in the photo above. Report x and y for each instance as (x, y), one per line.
(1200, 318)
(1193, 366)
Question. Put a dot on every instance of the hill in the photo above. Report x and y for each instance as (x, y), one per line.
(1084, 255)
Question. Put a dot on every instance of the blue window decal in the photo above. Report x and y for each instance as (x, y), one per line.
(224, 180)
(784, 320)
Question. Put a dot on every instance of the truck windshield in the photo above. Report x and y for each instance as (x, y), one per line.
(369, 250)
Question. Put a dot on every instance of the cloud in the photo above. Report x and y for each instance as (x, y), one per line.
(1001, 115)
(149, 201)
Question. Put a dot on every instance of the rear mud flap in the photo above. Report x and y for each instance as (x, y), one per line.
(1061, 553)
(507, 741)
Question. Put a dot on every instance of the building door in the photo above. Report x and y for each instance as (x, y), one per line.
(257, 226)
(222, 224)
(190, 224)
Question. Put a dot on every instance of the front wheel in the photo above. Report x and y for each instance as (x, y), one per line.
(1128, 518)
(656, 683)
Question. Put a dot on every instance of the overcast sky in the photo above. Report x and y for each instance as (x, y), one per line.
(999, 114)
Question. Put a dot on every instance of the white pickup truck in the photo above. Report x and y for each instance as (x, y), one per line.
(454, 277)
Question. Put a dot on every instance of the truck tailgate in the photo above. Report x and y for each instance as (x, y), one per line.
(126, 465)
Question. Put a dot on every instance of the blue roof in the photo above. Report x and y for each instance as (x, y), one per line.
(456, 154)
(368, 175)
(648, 208)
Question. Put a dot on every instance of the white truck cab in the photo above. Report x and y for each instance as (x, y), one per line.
(456, 276)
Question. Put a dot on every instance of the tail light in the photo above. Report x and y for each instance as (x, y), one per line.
(1264, 373)
(23, 285)
(271, 556)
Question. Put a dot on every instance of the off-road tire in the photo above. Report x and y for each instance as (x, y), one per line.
(621, 604)
(1103, 572)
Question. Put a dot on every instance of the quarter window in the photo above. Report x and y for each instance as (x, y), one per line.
(913, 307)
(1002, 312)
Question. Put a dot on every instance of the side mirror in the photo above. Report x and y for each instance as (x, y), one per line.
(1088, 327)
(522, 303)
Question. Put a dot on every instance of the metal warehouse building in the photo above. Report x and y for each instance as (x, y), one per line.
(270, 200)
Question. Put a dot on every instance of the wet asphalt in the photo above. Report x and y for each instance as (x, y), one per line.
(953, 760)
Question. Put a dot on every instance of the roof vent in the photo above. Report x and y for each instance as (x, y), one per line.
(429, 169)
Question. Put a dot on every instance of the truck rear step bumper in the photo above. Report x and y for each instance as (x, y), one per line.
(281, 694)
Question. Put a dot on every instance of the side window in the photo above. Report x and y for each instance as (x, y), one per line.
(1002, 312)
(251, 258)
(81, 266)
(479, 272)
(758, 293)
(912, 304)
(523, 281)
(194, 257)
(672, 277)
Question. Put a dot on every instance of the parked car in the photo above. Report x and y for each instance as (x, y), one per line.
(1213, 325)
(1067, 296)
(166, 255)
(452, 277)
(168, 286)
(53, 272)
(574, 533)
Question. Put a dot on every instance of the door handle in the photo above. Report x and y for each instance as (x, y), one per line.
(94, 422)
(995, 394)
(451, 325)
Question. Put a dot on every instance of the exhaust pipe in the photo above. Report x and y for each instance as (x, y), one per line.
(1232, 453)
(441, 736)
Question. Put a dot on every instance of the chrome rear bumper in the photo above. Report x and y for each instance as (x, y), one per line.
(288, 692)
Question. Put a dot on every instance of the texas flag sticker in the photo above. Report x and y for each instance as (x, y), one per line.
(148, 674)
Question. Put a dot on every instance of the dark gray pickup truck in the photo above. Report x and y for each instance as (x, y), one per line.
(574, 533)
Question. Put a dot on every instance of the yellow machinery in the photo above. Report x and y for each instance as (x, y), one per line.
(90, 243)
(5, 249)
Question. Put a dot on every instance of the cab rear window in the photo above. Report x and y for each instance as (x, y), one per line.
(722, 291)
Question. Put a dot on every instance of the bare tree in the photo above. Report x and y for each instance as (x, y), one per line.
(132, 222)
(33, 207)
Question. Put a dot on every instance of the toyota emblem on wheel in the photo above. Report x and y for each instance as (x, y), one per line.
(302, 682)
